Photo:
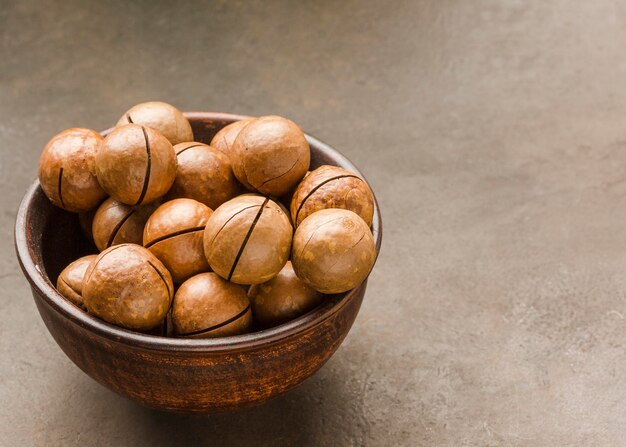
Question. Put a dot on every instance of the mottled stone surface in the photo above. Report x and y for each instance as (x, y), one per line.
(494, 135)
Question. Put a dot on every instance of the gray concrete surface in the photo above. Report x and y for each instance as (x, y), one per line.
(494, 133)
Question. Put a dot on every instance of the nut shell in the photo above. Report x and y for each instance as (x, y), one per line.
(174, 234)
(207, 306)
(333, 250)
(270, 155)
(282, 298)
(224, 139)
(117, 223)
(204, 174)
(67, 171)
(332, 187)
(247, 239)
(135, 164)
(162, 117)
(70, 281)
(128, 286)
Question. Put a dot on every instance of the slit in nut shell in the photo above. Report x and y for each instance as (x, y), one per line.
(207, 306)
(332, 187)
(333, 250)
(247, 239)
(128, 286)
(162, 117)
(70, 281)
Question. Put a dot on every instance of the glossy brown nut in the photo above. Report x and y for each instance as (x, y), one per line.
(206, 306)
(162, 117)
(126, 285)
(117, 223)
(224, 139)
(204, 174)
(174, 234)
(135, 164)
(70, 281)
(332, 187)
(247, 239)
(282, 298)
(67, 171)
(270, 155)
(333, 250)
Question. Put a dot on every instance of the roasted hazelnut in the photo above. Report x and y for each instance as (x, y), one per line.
(67, 172)
(282, 298)
(332, 187)
(174, 235)
(270, 155)
(333, 250)
(206, 306)
(162, 117)
(128, 286)
(135, 164)
(117, 223)
(204, 174)
(224, 139)
(70, 281)
(247, 239)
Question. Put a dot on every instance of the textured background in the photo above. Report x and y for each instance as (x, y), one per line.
(494, 134)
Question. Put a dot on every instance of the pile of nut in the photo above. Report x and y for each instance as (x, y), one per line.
(194, 238)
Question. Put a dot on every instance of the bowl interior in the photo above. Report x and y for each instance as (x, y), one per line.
(48, 238)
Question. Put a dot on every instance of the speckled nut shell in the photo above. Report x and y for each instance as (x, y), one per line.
(333, 250)
(162, 117)
(206, 306)
(204, 174)
(117, 223)
(270, 155)
(135, 164)
(224, 139)
(247, 239)
(66, 170)
(282, 298)
(128, 286)
(174, 234)
(70, 281)
(332, 187)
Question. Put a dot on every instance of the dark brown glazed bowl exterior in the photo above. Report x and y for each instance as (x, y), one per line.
(175, 374)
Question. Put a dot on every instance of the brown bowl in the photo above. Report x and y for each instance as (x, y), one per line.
(173, 374)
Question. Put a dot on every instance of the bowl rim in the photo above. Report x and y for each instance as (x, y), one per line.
(42, 285)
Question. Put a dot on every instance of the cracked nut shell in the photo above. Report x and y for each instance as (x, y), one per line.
(204, 174)
(67, 171)
(333, 250)
(128, 286)
(282, 298)
(70, 281)
(174, 234)
(247, 239)
(270, 155)
(225, 137)
(162, 117)
(135, 164)
(117, 223)
(332, 187)
(207, 306)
